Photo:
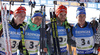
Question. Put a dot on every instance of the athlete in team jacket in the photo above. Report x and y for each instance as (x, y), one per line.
(61, 13)
(32, 33)
(14, 30)
(83, 33)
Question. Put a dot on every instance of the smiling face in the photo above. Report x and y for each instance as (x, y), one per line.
(81, 19)
(37, 20)
(19, 18)
(62, 16)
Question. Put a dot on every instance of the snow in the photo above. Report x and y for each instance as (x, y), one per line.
(71, 12)
(71, 15)
(89, 14)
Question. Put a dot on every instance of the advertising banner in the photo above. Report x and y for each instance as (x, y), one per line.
(15, 0)
(43, 1)
(93, 5)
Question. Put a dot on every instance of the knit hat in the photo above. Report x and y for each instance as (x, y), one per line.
(80, 10)
(60, 9)
(37, 14)
(20, 10)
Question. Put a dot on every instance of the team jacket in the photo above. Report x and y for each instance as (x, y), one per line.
(32, 39)
(15, 37)
(84, 39)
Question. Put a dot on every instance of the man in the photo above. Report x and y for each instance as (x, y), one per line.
(61, 13)
(14, 30)
(30, 2)
(83, 33)
(32, 34)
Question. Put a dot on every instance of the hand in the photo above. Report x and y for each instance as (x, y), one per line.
(98, 49)
(94, 23)
(45, 50)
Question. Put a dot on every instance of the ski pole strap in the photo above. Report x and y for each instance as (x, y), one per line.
(23, 42)
(0, 27)
(67, 26)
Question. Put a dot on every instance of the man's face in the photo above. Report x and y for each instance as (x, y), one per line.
(81, 18)
(62, 16)
(19, 18)
(37, 20)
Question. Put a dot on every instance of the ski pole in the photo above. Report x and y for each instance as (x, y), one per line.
(32, 6)
(42, 31)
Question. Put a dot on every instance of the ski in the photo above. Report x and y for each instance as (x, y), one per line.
(54, 33)
(4, 33)
(5, 30)
(42, 31)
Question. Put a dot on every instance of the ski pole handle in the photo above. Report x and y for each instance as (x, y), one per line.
(55, 2)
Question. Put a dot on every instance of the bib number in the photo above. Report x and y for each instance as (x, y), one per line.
(84, 42)
(63, 39)
(31, 45)
(13, 44)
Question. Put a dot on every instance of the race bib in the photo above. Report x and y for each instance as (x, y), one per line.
(84, 43)
(14, 45)
(32, 46)
(62, 41)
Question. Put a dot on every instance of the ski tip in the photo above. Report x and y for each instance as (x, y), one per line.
(5, 7)
(2, 7)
